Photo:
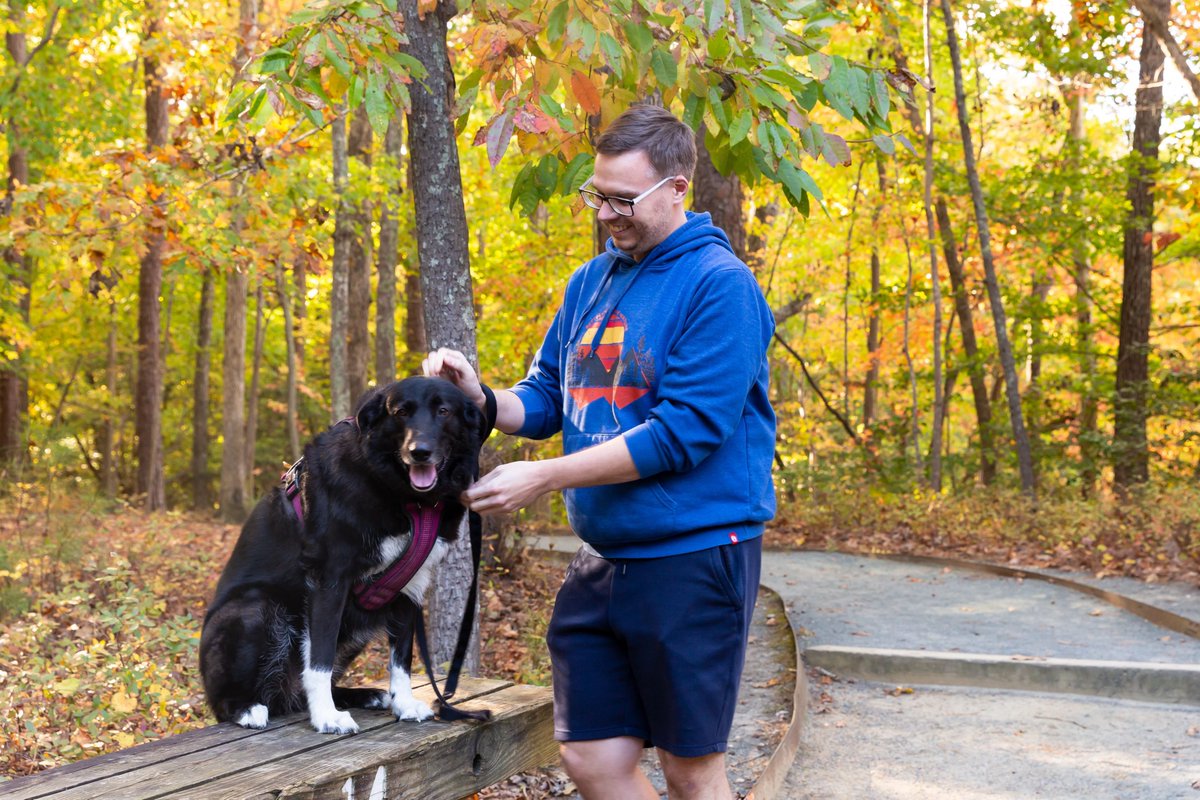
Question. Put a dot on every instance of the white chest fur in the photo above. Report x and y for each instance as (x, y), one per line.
(392, 547)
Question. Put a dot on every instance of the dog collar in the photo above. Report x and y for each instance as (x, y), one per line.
(378, 591)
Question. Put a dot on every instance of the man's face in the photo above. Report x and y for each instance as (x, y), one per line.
(654, 218)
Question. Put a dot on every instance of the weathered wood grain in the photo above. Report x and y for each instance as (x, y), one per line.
(228, 761)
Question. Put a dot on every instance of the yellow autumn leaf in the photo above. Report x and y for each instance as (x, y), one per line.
(124, 739)
(123, 702)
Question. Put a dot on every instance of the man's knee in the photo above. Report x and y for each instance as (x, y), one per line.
(600, 759)
(699, 777)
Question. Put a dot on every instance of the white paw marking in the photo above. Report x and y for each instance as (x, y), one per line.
(338, 722)
(411, 709)
(254, 717)
(404, 705)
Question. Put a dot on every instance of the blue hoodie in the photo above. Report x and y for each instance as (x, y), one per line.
(669, 353)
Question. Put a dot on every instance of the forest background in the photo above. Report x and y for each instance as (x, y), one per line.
(223, 222)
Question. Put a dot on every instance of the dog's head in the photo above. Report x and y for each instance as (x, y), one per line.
(428, 427)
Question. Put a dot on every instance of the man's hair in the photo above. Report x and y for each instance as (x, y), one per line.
(667, 142)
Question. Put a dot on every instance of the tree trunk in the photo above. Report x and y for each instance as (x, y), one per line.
(388, 259)
(847, 285)
(907, 348)
(251, 437)
(289, 338)
(935, 430)
(415, 340)
(1003, 345)
(14, 386)
(358, 340)
(1088, 429)
(151, 485)
(109, 480)
(871, 384)
(235, 503)
(1131, 457)
(299, 300)
(442, 238)
(720, 196)
(202, 499)
(339, 301)
(962, 306)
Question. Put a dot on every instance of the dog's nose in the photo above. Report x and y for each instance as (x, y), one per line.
(420, 454)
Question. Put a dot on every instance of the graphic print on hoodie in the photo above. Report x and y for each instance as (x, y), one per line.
(611, 372)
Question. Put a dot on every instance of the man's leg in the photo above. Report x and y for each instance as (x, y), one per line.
(700, 778)
(607, 769)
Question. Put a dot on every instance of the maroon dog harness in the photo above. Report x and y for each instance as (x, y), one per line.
(377, 591)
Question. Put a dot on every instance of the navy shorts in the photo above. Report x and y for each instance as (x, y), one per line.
(653, 648)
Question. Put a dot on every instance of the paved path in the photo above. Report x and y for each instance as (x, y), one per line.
(866, 740)
(947, 683)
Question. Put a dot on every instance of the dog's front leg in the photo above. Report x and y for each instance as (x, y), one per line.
(325, 606)
(400, 636)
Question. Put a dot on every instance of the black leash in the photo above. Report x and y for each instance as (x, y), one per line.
(445, 710)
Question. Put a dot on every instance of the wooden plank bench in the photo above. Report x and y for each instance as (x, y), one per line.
(386, 760)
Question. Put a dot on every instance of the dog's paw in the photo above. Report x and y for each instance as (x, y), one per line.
(379, 701)
(338, 722)
(410, 709)
(254, 717)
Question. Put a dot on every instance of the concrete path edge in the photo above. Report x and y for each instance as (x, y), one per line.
(771, 779)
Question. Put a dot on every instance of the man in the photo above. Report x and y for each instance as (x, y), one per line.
(655, 371)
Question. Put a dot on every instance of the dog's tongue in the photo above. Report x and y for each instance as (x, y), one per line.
(422, 476)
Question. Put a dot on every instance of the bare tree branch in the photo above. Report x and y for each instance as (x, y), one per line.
(1157, 23)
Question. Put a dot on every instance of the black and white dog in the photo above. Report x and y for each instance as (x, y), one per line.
(298, 600)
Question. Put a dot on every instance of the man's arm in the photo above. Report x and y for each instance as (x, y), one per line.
(516, 485)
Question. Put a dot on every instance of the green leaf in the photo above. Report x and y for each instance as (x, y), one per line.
(860, 94)
(879, 93)
(740, 126)
(884, 143)
(557, 23)
(714, 15)
(572, 176)
(277, 59)
(379, 108)
(331, 56)
(718, 46)
(666, 71)
(693, 111)
(837, 88)
(613, 54)
(638, 36)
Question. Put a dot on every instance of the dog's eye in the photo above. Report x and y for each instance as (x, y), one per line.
(444, 411)
(402, 411)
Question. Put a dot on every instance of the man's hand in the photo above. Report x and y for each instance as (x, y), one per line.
(454, 367)
(509, 487)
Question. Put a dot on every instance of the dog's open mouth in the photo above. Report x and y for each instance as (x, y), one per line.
(423, 477)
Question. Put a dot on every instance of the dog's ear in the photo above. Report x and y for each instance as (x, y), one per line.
(371, 410)
(475, 423)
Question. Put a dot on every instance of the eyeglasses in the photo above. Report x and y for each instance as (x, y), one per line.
(621, 206)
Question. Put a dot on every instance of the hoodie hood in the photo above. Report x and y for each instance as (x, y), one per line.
(698, 231)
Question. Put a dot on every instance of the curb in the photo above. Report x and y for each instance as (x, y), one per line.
(1126, 680)
(773, 775)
